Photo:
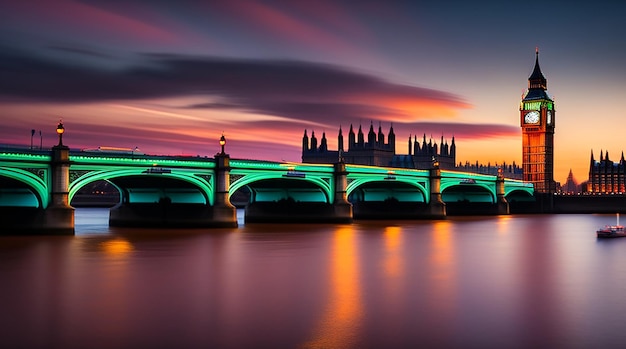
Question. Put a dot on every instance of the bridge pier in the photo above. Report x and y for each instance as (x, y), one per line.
(59, 215)
(341, 205)
(501, 203)
(224, 213)
(436, 206)
(57, 218)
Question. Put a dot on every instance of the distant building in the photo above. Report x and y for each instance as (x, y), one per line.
(570, 186)
(376, 152)
(606, 176)
(513, 171)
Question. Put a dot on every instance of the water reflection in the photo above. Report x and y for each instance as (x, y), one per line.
(393, 258)
(117, 247)
(340, 322)
(442, 305)
(502, 224)
(478, 282)
(539, 287)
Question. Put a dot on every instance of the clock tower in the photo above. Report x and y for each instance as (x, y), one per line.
(537, 122)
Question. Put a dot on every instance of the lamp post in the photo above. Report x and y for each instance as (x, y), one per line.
(60, 130)
(59, 214)
(222, 143)
(435, 163)
(224, 213)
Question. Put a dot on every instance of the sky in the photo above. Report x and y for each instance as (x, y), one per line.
(171, 77)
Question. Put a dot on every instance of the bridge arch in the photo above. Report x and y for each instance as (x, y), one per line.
(30, 181)
(304, 186)
(519, 194)
(402, 189)
(475, 192)
(205, 189)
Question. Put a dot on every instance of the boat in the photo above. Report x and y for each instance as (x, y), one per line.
(612, 231)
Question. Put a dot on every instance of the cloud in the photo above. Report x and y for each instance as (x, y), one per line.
(213, 105)
(80, 51)
(297, 95)
(290, 89)
(461, 130)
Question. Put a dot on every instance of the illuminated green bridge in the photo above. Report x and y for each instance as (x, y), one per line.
(37, 189)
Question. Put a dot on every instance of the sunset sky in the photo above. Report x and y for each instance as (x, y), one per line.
(170, 77)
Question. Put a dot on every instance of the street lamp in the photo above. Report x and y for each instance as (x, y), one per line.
(60, 130)
(222, 143)
(435, 162)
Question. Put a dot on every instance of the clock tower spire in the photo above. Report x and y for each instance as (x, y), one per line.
(537, 122)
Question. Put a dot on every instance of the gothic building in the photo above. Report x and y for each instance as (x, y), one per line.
(376, 152)
(537, 119)
(512, 171)
(606, 176)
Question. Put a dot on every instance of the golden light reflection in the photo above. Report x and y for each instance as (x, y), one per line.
(442, 265)
(393, 241)
(116, 247)
(502, 224)
(442, 255)
(339, 324)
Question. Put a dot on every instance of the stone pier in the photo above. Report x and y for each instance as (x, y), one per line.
(436, 206)
(224, 213)
(501, 203)
(343, 208)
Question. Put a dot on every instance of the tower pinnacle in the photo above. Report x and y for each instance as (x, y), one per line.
(536, 79)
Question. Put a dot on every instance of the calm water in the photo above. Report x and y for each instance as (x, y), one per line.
(487, 282)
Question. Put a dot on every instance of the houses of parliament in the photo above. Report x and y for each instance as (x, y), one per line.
(378, 152)
(537, 121)
(537, 118)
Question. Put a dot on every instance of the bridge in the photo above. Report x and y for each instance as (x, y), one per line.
(37, 188)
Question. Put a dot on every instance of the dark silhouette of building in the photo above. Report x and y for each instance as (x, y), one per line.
(537, 119)
(606, 176)
(513, 171)
(376, 152)
(570, 186)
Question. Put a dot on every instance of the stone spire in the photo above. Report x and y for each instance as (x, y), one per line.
(536, 79)
(305, 142)
(340, 140)
(371, 135)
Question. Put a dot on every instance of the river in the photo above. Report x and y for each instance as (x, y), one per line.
(520, 281)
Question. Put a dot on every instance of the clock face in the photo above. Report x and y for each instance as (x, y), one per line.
(531, 117)
(549, 115)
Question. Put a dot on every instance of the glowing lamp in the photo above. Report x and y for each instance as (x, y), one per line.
(435, 162)
(222, 143)
(60, 130)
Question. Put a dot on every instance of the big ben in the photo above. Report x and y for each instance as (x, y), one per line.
(537, 119)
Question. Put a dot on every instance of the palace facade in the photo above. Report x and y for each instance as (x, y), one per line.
(378, 152)
(606, 176)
